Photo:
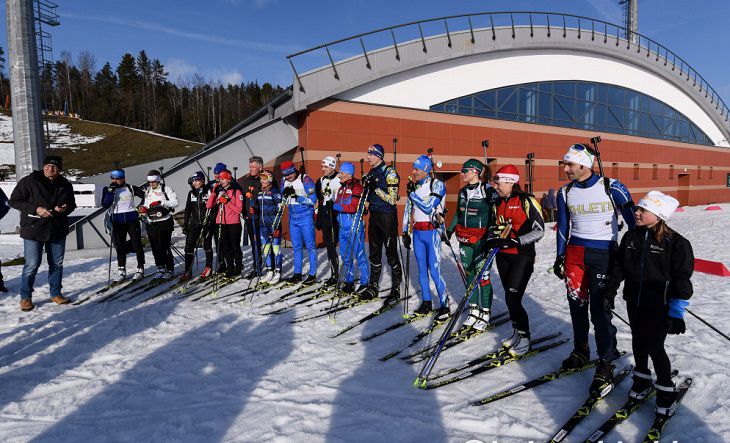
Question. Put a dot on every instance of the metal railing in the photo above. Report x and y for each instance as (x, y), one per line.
(555, 24)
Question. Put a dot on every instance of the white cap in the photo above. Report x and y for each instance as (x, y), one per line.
(329, 161)
(579, 154)
(659, 204)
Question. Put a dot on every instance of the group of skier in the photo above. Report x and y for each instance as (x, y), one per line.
(491, 213)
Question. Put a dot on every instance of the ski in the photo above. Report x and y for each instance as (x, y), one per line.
(154, 284)
(585, 409)
(631, 405)
(293, 293)
(559, 373)
(407, 320)
(372, 315)
(350, 303)
(661, 420)
(120, 286)
(222, 283)
(463, 334)
(317, 294)
(420, 336)
(490, 356)
(138, 286)
(501, 360)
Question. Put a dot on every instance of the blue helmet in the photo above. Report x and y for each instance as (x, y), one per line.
(219, 167)
(117, 174)
(347, 168)
(423, 163)
(198, 175)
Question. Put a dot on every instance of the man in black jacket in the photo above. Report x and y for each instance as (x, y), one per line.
(251, 185)
(45, 199)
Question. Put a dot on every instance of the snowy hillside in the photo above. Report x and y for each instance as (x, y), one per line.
(172, 370)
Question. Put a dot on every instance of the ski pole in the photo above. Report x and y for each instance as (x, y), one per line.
(459, 266)
(708, 325)
(485, 145)
(408, 210)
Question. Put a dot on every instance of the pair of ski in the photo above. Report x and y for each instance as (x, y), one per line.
(631, 405)
(119, 288)
(352, 302)
(318, 294)
(487, 362)
(435, 324)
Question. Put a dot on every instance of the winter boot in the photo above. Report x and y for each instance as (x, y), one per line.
(185, 276)
(294, 279)
(331, 282)
(138, 275)
(443, 313)
(482, 323)
(666, 399)
(60, 300)
(425, 309)
(642, 384)
(393, 297)
(522, 345)
(578, 358)
(26, 305)
(310, 280)
(275, 278)
(473, 315)
(349, 288)
(603, 379)
(121, 275)
(206, 273)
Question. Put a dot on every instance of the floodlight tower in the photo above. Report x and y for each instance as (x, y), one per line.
(631, 19)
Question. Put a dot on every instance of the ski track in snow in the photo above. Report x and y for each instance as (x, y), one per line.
(172, 370)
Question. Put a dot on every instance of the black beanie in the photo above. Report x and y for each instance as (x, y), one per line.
(54, 160)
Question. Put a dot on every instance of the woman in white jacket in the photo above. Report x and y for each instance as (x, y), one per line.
(157, 208)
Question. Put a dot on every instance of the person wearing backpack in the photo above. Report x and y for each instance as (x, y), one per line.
(196, 225)
(588, 225)
(118, 197)
(516, 258)
(474, 215)
(157, 208)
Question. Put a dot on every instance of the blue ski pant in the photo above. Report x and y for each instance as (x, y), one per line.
(270, 248)
(427, 249)
(346, 250)
(303, 235)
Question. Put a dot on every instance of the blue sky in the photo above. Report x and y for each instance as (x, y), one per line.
(244, 40)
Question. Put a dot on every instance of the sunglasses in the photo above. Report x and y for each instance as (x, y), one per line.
(465, 170)
(583, 148)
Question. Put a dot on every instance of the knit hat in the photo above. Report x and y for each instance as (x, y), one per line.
(347, 168)
(225, 175)
(579, 154)
(659, 204)
(219, 167)
(117, 174)
(507, 174)
(54, 160)
(475, 164)
(377, 151)
(287, 168)
(329, 161)
(423, 162)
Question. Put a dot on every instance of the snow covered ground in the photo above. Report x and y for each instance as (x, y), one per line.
(172, 370)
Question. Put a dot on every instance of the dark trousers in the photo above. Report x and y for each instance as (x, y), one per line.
(383, 231)
(120, 232)
(191, 242)
(229, 243)
(330, 234)
(596, 264)
(253, 228)
(514, 272)
(648, 332)
(160, 235)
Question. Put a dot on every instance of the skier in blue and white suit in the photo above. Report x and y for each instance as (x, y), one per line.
(426, 202)
(352, 239)
(299, 189)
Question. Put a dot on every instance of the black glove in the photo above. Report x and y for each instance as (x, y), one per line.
(185, 229)
(502, 243)
(369, 182)
(406, 240)
(559, 267)
(411, 186)
(608, 304)
(675, 325)
(289, 192)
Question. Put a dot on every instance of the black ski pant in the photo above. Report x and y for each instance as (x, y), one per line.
(383, 231)
(191, 243)
(648, 332)
(514, 272)
(596, 265)
(122, 247)
(253, 229)
(229, 260)
(330, 234)
(160, 235)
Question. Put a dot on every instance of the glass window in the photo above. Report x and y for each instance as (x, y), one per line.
(584, 105)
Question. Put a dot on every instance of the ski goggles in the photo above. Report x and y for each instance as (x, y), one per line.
(474, 170)
(581, 147)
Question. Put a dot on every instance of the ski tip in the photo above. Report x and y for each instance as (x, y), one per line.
(417, 382)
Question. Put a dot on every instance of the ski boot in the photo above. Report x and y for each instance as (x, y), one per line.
(206, 273)
(666, 399)
(482, 322)
(294, 279)
(473, 315)
(349, 288)
(275, 278)
(369, 293)
(578, 358)
(603, 379)
(360, 289)
(423, 310)
(443, 312)
(186, 276)
(121, 275)
(167, 274)
(139, 274)
(267, 276)
(519, 343)
(393, 297)
(641, 386)
(159, 274)
(330, 282)
(310, 280)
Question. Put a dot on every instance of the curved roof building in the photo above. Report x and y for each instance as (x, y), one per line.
(528, 82)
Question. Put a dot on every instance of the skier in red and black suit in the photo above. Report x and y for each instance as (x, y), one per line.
(516, 258)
